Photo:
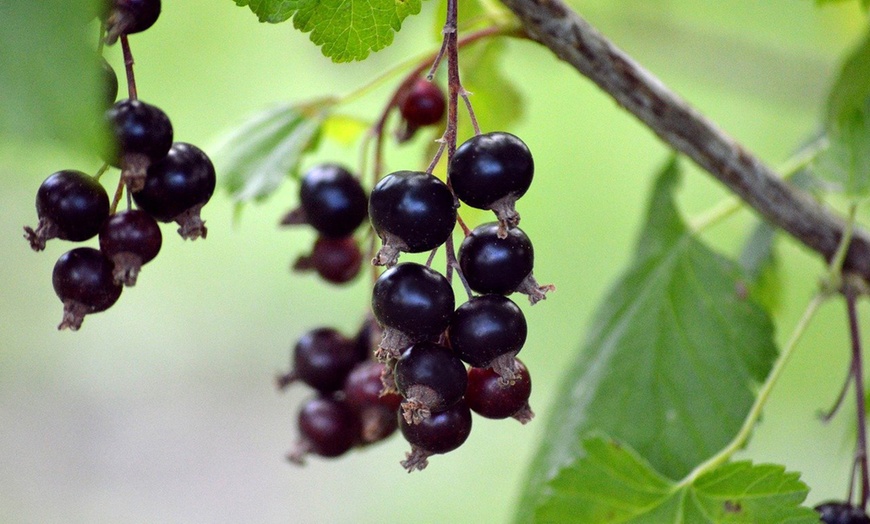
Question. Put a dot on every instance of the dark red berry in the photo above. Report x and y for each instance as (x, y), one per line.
(492, 171)
(177, 187)
(364, 393)
(841, 513)
(130, 16)
(336, 260)
(83, 281)
(70, 206)
(440, 433)
(412, 212)
(488, 331)
(331, 200)
(422, 104)
(130, 239)
(322, 358)
(327, 427)
(368, 337)
(413, 303)
(489, 396)
(431, 378)
(141, 135)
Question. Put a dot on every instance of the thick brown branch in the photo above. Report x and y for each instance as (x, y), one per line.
(573, 40)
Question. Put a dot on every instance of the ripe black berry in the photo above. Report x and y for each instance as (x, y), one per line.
(130, 16)
(411, 211)
(492, 171)
(376, 409)
(841, 513)
(70, 206)
(332, 201)
(431, 378)
(130, 239)
(322, 358)
(489, 396)
(336, 260)
(488, 331)
(83, 281)
(422, 104)
(327, 427)
(413, 303)
(440, 433)
(177, 187)
(141, 135)
(367, 338)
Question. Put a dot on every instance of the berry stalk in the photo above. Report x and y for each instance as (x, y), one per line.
(857, 369)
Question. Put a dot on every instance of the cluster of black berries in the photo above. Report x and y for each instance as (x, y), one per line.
(168, 181)
(841, 513)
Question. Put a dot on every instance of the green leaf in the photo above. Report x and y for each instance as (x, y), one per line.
(845, 164)
(864, 3)
(852, 86)
(491, 93)
(672, 359)
(346, 30)
(258, 156)
(343, 129)
(50, 73)
(761, 267)
(611, 483)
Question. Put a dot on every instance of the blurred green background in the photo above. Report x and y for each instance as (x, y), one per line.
(162, 409)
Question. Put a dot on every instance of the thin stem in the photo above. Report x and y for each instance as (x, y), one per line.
(858, 373)
(128, 66)
(119, 191)
(100, 172)
(826, 416)
(471, 115)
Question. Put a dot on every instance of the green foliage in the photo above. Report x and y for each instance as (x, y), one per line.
(852, 86)
(346, 30)
(864, 3)
(760, 265)
(50, 72)
(259, 155)
(692, 346)
(611, 483)
(490, 92)
(845, 164)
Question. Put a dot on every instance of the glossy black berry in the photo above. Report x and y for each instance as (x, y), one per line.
(141, 134)
(413, 303)
(130, 16)
(331, 200)
(177, 187)
(322, 358)
(431, 378)
(327, 427)
(363, 392)
(130, 239)
(488, 331)
(83, 281)
(489, 396)
(336, 260)
(496, 265)
(439, 433)
(841, 513)
(411, 211)
(492, 171)
(71, 206)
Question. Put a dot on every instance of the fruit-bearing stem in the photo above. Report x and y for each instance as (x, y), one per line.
(857, 369)
(128, 66)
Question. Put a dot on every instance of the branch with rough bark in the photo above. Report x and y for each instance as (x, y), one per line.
(574, 40)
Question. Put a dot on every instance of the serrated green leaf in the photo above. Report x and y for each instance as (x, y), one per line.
(612, 484)
(497, 102)
(50, 73)
(345, 30)
(258, 156)
(672, 359)
(845, 165)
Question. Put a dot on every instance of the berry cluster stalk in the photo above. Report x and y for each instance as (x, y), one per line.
(857, 370)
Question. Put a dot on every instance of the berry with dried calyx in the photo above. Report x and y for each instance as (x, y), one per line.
(331, 200)
(83, 280)
(130, 239)
(71, 206)
(431, 378)
(141, 134)
(322, 358)
(126, 17)
(489, 396)
(364, 393)
(439, 433)
(327, 427)
(336, 260)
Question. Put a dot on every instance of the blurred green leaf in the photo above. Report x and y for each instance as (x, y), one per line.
(672, 359)
(344, 129)
(864, 3)
(759, 263)
(612, 483)
(50, 73)
(346, 30)
(852, 86)
(497, 103)
(258, 156)
(845, 165)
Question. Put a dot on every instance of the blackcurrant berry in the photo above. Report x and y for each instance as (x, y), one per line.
(431, 378)
(411, 211)
(83, 281)
(130, 239)
(327, 427)
(841, 513)
(70, 206)
(492, 171)
(331, 200)
(322, 358)
(440, 433)
(177, 187)
(488, 331)
(489, 396)
(110, 82)
(130, 16)
(141, 135)
(413, 303)
(336, 260)
(367, 338)
(376, 409)
(422, 104)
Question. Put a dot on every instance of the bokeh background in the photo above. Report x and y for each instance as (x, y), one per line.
(162, 409)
